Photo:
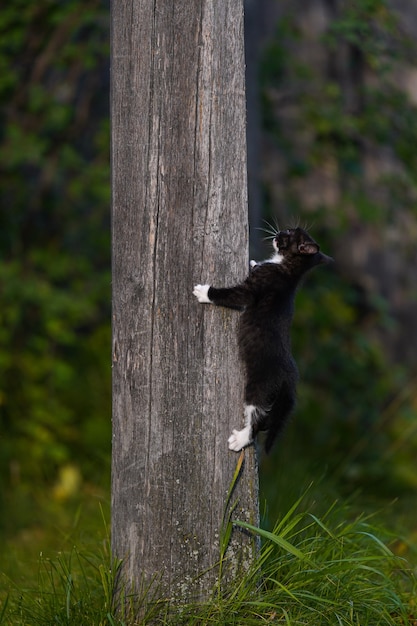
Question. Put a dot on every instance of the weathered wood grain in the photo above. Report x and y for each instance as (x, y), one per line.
(179, 216)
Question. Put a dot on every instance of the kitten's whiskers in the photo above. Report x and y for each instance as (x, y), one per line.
(270, 228)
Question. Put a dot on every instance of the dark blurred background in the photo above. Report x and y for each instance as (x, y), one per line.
(332, 136)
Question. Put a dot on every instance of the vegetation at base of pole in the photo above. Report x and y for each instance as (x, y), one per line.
(323, 570)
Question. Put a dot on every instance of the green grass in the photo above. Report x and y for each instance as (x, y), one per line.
(331, 570)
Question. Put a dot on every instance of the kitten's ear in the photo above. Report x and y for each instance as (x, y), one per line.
(308, 248)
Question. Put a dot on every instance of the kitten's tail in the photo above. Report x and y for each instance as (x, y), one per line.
(279, 415)
(271, 436)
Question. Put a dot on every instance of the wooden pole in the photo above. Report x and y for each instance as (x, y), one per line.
(179, 216)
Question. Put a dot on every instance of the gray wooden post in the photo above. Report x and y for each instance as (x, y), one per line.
(179, 214)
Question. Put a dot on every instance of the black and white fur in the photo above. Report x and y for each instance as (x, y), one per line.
(266, 298)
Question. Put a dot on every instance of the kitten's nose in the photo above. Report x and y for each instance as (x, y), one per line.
(325, 259)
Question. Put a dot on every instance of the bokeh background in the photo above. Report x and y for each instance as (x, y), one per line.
(332, 136)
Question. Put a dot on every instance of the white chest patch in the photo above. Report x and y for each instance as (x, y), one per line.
(277, 258)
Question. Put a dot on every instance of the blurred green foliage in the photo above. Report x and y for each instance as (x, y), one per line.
(357, 408)
(357, 412)
(54, 252)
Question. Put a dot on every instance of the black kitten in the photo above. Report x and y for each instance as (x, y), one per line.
(267, 300)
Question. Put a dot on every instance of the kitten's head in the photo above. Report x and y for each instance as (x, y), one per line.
(297, 250)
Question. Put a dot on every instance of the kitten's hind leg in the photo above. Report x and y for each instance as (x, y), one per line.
(241, 438)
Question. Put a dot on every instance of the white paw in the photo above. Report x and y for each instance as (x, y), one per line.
(239, 439)
(200, 292)
(253, 264)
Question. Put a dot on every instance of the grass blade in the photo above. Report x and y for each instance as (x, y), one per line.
(278, 540)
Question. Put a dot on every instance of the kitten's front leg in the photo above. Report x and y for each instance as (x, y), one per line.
(232, 297)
